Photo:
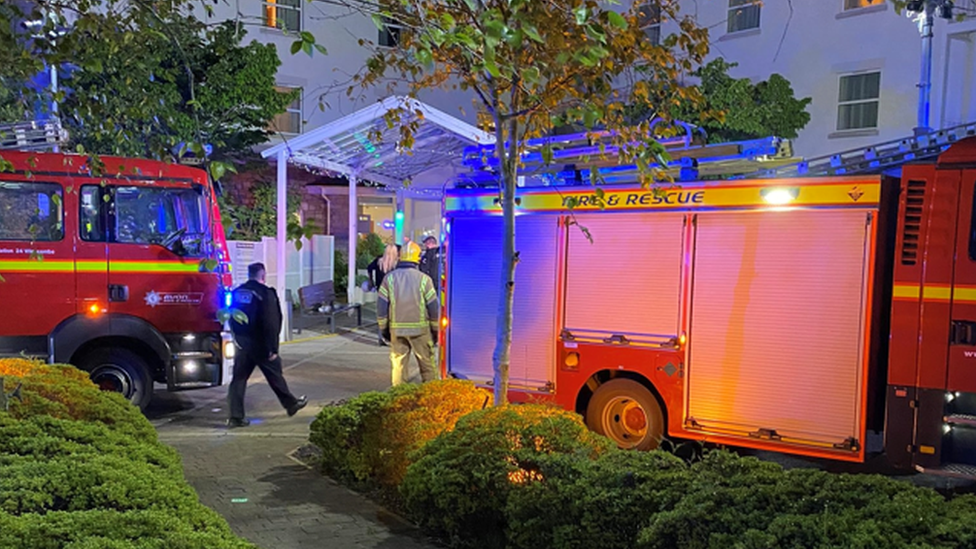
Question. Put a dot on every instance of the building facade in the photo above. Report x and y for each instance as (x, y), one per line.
(859, 60)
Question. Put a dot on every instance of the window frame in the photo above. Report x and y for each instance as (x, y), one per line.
(103, 211)
(387, 31)
(272, 6)
(841, 103)
(59, 188)
(742, 6)
(845, 5)
(291, 110)
(112, 215)
(652, 21)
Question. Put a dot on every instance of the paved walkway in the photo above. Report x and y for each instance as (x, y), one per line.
(247, 476)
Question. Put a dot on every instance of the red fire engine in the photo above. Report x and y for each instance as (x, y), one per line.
(795, 315)
(106, 270)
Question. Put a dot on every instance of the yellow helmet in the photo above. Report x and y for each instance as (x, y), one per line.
(410, 253)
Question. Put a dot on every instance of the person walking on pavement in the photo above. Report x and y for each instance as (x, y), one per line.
(407, 310)
(257, 342)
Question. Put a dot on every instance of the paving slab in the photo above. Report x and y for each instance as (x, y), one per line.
(247, 474)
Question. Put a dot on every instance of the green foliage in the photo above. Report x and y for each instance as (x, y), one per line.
(370, 439)
(139, 78)
(459, 484)
(736, 109)
(744, 502)
(369, 248)
(259, 218)
(64, 392)
(82, 469)
(582, 503)
(111, 529)
(340, 275)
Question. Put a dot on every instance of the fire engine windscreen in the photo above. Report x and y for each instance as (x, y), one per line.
(172, 217)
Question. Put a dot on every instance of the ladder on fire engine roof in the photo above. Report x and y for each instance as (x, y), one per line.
(575, 158)
(874, 159)
(34, 135)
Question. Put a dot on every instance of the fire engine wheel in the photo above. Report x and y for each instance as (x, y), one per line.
(626, 412)
(121, 371)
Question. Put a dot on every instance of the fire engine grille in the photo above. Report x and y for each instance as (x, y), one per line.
(914, 204)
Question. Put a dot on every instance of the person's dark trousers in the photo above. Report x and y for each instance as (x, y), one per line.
(244, 365)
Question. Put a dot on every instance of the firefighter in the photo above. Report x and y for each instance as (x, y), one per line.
(407, 311)
(257, 341)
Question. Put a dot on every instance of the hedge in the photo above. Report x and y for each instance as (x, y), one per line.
(459, 485)
(532, 476)
(368, 440)
(83, 469)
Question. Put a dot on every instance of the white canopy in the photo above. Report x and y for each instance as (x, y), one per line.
(364, 146)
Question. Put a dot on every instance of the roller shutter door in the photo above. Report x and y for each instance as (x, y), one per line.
(778, 323)
(626, 281)
(475, 278)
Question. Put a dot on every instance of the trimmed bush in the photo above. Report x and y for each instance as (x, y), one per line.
(106, 529)
(66, 392)
(583, 503)
(744, 502)
(459, 484)
(368, 440)
(83, 469)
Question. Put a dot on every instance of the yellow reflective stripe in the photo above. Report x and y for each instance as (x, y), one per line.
(937, 292)
(94, 266)
(34, 265)
(964, 294)
(153, 267)
(408, 324)
(905, 291)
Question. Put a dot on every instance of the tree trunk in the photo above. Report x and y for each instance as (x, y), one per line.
(503, 336)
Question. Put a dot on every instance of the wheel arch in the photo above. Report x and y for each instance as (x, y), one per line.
(79, 335)
(585, 392)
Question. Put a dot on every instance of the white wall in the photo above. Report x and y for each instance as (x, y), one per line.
(812, 46)
(327, 77)
(818, 42)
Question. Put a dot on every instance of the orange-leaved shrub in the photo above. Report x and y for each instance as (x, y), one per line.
(370, 439)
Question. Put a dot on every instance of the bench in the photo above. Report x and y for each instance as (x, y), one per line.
(314, 297)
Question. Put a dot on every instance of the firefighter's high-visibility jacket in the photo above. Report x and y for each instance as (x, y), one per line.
(407, 302)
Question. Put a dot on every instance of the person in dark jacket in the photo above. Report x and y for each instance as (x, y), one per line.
(377, 270)
(257, 342)
(430, 261)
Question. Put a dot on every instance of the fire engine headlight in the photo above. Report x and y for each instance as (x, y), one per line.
(229, 349)
(190, 367)
(779, 196)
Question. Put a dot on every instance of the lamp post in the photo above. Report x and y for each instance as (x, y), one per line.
(925, 11)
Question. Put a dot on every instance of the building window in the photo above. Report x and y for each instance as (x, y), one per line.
(858, 4)
(289, 122)
(31, 212)
(390, 33)
(743, 15)
(283, 14)
(858, 101)
(650, 19)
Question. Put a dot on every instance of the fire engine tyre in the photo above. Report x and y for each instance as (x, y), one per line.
(627, 413)
(122, 371)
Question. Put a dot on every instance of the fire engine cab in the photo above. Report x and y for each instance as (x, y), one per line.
(105, 269)
(797, 315)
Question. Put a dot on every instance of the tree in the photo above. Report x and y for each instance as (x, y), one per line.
(535, 65)
(736, 109)
(142, 81)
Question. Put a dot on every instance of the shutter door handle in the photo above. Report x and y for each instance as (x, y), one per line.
(963, 333)
(118, 293)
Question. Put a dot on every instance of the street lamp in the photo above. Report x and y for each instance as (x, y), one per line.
(925, 12)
